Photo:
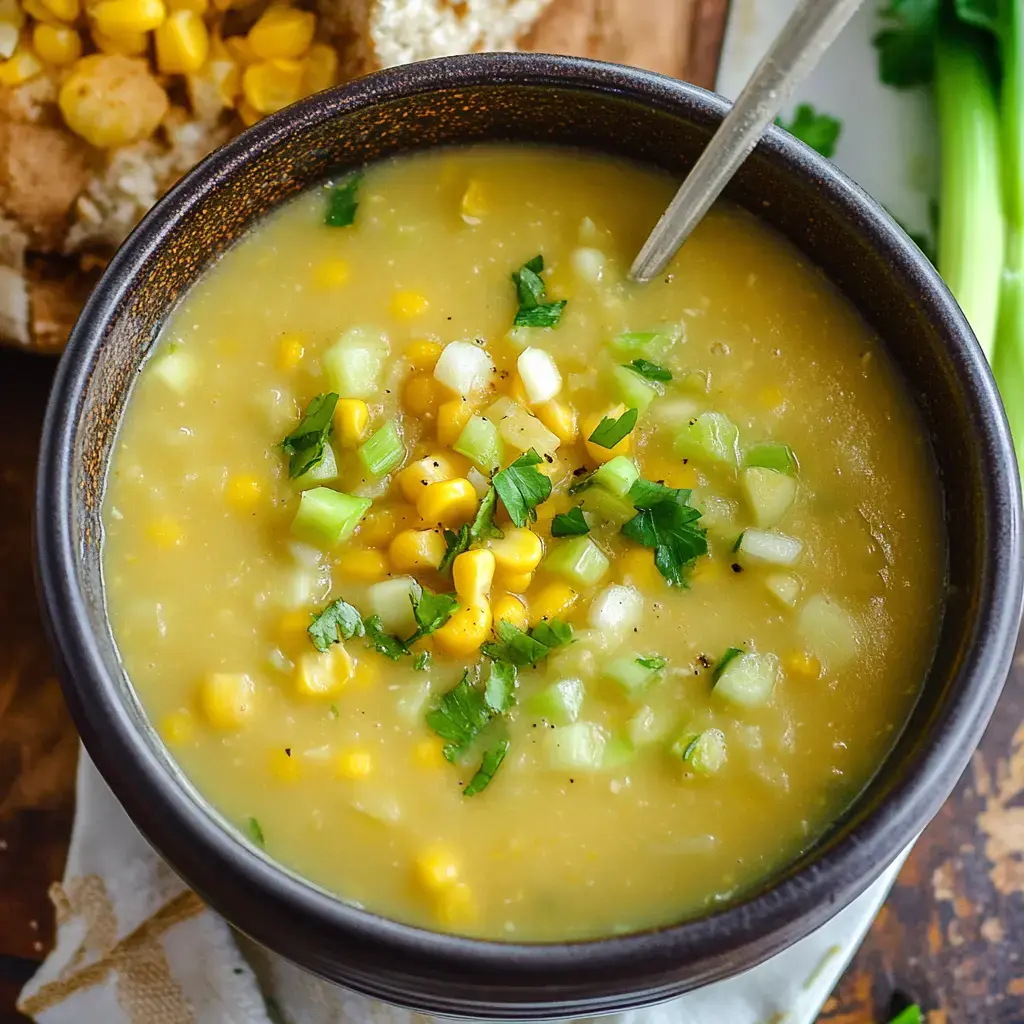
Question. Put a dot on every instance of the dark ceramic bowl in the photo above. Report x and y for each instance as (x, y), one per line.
(610, 109)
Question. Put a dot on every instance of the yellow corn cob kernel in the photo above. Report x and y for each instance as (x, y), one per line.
(123, 44)
(515, 582)
(363, 564)
(802, 664)
(271, 85)
(421, 396)
(243, 491)
(465, 631)
(66, 10)
(456, 906)
(636, 567)
(323, 675)
(240, 50)
(452, 416)
(519, 551)
(436, 868)
(117, 17)
(366, 673)
(449, 502)
(422, 355)
(416, 550)
(284, 764)
(35, 9)
(178, 727)
(351, 420)
(215, 86)
(290, 350)
(509, 608)
(282, 32)
(294, 623)
(552, 601)
(226, 699)
(671, 472)
(196, 6)
(407, 304)
(472, 575)
(517, 391)
(22, 67)
(165, 532)
(331, 274)
(112, 100)
(319, 68)
(353, 764)
(474, 202)
(598, 454)
(182, 43)
(560, 419)
(428, 753)
(432, 469)
(12, 13)
(10, 34)
(57, 45)
(378, 527)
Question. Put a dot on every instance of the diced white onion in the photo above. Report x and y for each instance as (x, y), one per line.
(828, 630)
(392, 601)
(616, 608)
(588, 264)
(769, 546)
(785, 587)
(176, 369)
(480, 483)
(464, 367)
(539, 374)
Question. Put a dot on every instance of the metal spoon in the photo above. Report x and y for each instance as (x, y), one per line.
(802, 42)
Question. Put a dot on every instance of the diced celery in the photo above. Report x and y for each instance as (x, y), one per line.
(633, 677)
(324, 472)
(606, 507)
(717, 514)
(770, 547)
(578, 560)
(647, 726)
(631, 388)
(326, 518)
(828, 630)
(785, 586)
(577, 746)
(353, 364)
(769, 493)
(559, 703)
(636, 342)
(617, 475)
(772, 455)
(704, 753)
(177, 369)
(383, 451)
(711, 437)
(618, 750)
(392, 601)
(616, 609)
(481, 444)
(748, 679)
(520, 429)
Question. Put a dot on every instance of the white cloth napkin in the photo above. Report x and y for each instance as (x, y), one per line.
(135, 946)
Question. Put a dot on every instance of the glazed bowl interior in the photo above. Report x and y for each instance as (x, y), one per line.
(531, 99)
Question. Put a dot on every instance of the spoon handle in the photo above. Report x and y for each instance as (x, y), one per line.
(798, 47)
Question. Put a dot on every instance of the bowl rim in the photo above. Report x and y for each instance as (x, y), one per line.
(794, 904)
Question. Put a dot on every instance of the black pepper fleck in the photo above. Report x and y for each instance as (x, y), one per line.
(736, 567)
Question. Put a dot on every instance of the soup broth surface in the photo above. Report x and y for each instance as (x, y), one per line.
(687, 741)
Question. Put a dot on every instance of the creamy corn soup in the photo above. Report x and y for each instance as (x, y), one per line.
(503, 596)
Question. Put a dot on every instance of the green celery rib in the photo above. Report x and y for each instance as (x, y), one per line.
(971, 228)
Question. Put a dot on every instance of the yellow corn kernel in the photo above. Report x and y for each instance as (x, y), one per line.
(515, 582)
(669, 471)
(706, 570)
(195, 6)
(363, 564)
(294, 623)
(284, 764)
(452, 416)
(474, 202)
(319, 68)
(22, 67)
(366, 673)
(351, 420)
(331, 274)
(243, 491)
(240, 50)
(472, 575)
(406, 304)
(421, 396)
(418, 475)
(800, 663)
(636, 567)
(65, 10)
(451, 502)
(560, 419)
(416, 550)
(248, 113)
(121, 44)
(323, 675)
(271, 85)
(552, 601)
(436, 868)
(57, 45)
(465, 631)
(216, 86)
(353, 764)
(226, 699)
(519, 551)
(428, 753)
(422, 355)
(178, 727)
(165, 532)
(509, 608)
(517, 391)
(378, 527)
(456, 906)
(282, 32)
(35, 9)
(117, 17)
(182, 43)
(595, 451)
(290, 350)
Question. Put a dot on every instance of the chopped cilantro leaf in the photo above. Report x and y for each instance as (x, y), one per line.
(422, 661)
(522, 487)
(338, 622)
(533, 310)
(523, 649)
(906, 47)
(483, 525)
(610, 431)
(569, 524)
(431, 611)
(305, 444)
(386, 643)
(343, 201)
(911, 1015)
(655, 662)
(581, 483)
(455, 544)
(819, 131)
(552, 633)
(730, 653)
(489, 764)
(460, 716)
(648, 493)
(665, 523)
(500, 689)
(333, 711)
(652, 371)
(547, 314)
(255, 830)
